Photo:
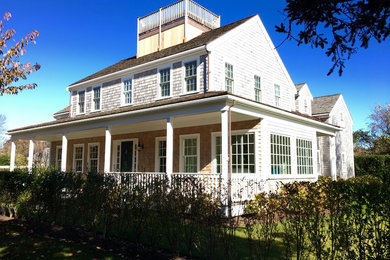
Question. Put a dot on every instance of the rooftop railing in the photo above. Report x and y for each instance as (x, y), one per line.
(176, 11)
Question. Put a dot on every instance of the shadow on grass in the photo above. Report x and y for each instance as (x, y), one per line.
(16, 242)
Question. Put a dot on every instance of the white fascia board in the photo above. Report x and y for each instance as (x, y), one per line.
(198, 103)
(284, 114)
(139, 68)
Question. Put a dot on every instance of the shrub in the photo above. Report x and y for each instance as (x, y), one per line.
(4, 160)
(376, 165)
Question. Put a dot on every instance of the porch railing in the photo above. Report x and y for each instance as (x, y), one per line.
(243, 186)
(176, 11)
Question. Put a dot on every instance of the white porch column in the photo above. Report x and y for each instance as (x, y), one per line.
(169, 151)
(107, 151)
(224, 156)
(332, 157)
(12, 159)
(64, 152)
(30, 156)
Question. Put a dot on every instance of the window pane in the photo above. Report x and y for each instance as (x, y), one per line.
(128, 91)
(280, 154)
(190, 76)
(304, 156)
(165, 82)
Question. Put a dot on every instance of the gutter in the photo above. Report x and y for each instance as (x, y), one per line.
(140, 66)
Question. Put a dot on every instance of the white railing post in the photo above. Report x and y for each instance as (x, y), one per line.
(30, 156)
(169, 151)
(185, 20)
(64, 152)
(12, 159)
(332, 156)
(159, 28)
(107, 150)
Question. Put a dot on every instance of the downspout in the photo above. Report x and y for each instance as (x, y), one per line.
(230, 169)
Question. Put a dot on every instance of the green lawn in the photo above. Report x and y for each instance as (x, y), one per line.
(17, 243)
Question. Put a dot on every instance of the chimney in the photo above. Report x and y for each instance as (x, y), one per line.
(172, 25)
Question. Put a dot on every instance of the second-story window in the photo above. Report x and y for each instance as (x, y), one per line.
(229, 81)
(190, 76)
(81, 103)
(257, 88)
(165, 78)
(277, 95)
(96, 98)
(128, 91)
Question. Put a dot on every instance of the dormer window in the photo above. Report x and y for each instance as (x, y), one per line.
(165, 82)
(190, 76)
(81, 103)
(229, 81)
(128, 91)
(96, 98)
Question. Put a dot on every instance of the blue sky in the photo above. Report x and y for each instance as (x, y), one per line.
(80, 37)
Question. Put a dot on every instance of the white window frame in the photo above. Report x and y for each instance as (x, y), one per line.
(114, 157)
(78, 100)
(123, 98)
(89, 155)
(93, 98)
(291, 146)
(214, 136)
(297, 155)
(74, 157)
(157, 153)
(224, 76)
(257, 90)
(181, 161)
(58, 162)
(166, 66)
(277, 97)
(184, 83)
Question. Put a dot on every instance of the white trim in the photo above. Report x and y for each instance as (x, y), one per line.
(181, 161)
(74, 157)
(164, 67)
(141, 67)
(93, 97)
(183, 75)
(123, 79)
(156, 152)
(89, 155)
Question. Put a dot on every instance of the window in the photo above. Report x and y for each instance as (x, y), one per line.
(277, 95)
(243, 153)
(190, 76)
(165, 82)
(305, 105)
(58, 157)
(161, 155)
(280, 154)
(127, 91)
(81, 104)
(93, 158)
(257, 89)
(96, 98)
(190, 153)
(304, 156)
(229, 81)
(78, 157)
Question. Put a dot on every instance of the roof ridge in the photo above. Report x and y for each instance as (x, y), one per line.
(338, 94)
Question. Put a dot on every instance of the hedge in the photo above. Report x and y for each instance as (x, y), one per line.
(376, 165)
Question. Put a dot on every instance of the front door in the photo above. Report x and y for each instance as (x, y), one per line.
(126, 164)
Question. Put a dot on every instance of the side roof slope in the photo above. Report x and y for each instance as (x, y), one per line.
(324, 104)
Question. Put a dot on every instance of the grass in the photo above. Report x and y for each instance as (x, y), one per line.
(18, 243)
